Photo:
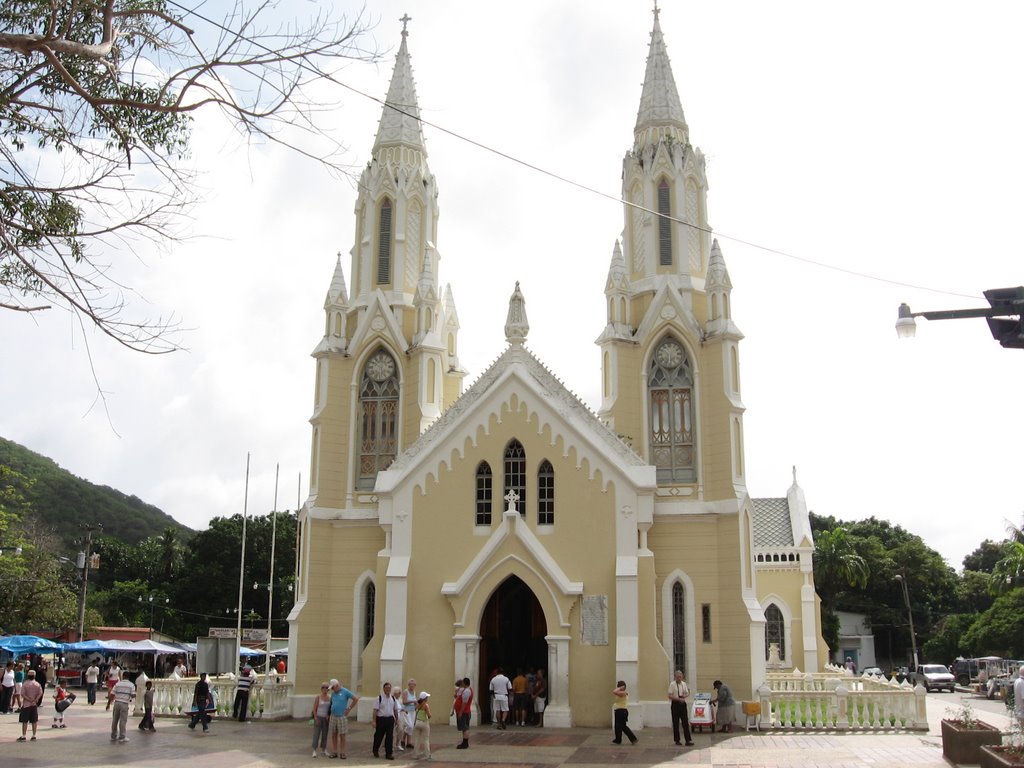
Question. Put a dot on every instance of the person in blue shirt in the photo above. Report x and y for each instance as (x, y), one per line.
(342, 701)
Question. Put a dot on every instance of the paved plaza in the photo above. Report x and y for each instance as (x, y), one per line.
(230, 744)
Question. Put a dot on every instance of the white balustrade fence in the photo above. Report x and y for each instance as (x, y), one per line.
(268, 698)
(837, 700)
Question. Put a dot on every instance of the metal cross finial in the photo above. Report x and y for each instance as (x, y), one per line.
(405, 23)
(657, 10)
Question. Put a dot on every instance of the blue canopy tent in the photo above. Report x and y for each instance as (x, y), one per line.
(250, 652)
(21, 644)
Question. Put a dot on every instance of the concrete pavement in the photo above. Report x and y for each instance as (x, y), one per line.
(230, 744)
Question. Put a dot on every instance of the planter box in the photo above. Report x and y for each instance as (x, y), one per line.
(998, 757)
(962, 745)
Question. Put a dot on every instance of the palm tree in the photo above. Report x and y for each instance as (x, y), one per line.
(167, 560)
(836, 562)
(1008, 573)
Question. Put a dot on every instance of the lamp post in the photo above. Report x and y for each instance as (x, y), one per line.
(1003, 303)
(153, 600)
(910, 616)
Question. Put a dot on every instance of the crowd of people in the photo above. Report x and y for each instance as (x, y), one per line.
(401, 717)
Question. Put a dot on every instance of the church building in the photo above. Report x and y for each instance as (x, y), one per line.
(448, 533)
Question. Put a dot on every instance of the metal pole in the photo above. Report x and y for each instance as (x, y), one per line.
(910, 616)
(270, 584)
(241, 571)
(85, 579)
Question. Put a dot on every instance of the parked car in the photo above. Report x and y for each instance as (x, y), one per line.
(874, 672)
(934, 677)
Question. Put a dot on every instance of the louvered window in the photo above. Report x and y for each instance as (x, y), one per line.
(664, 224)
(384, 243)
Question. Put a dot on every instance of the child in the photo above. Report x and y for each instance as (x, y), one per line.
(147, 702)
(59, 694)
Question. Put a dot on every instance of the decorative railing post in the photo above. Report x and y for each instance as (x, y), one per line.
(843, 706)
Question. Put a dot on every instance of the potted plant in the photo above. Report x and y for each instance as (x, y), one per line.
(1010, 754)
(963, 735)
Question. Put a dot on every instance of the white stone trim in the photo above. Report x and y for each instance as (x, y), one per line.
(512, 524)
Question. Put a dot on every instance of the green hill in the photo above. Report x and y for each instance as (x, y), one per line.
(65, 503)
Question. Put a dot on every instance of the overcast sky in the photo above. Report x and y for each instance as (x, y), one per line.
(854, 149)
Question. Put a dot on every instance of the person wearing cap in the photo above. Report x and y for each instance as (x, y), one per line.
(245, 683)
(423, 726)
(342, 702)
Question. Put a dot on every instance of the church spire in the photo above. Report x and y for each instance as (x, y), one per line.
(660, 111)
(400, 120)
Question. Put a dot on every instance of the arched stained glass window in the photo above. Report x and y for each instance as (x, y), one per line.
(678, 627)
(369, 612)
(515, 473)
(378, 417)
(484, 493)
(672, 439)
(774, 631)
(545, 494)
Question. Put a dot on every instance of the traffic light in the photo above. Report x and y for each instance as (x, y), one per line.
(1008, 331)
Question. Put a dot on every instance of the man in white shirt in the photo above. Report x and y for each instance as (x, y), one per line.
(678, 693)
(384, 710)
(500, 686)
(92, 679)
(123, 692)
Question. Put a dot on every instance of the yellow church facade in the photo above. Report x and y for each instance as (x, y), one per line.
(448, 533)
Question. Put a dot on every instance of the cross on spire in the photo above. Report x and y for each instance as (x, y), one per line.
(406, 18)
(657, 10)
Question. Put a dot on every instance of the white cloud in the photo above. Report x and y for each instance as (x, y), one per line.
(873, 137)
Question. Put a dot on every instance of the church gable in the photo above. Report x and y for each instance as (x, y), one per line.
(517, 383)
(378, 318)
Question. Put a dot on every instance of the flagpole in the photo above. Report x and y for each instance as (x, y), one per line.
(241, 570)
(270, 585)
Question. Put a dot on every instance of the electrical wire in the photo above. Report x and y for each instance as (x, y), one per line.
(565, 180)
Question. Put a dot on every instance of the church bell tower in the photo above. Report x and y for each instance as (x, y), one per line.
(388, 364)
(669, 350)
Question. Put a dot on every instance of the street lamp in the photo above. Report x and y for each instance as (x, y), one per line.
(910, 615)
(1003, 303)
(153, 601)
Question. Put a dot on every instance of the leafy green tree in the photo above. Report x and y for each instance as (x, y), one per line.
(999, 631)
(947, 641)
(1008, 573)
(96, 106)
(984, 558)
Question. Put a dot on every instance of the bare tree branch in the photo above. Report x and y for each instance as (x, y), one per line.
(97, 99)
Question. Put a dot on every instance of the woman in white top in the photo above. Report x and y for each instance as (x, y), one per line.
(409, 714)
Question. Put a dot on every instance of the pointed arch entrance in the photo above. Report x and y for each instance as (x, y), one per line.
(512, 636)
